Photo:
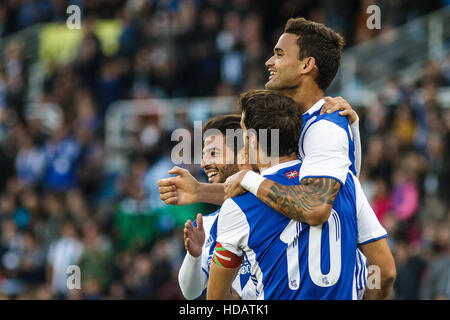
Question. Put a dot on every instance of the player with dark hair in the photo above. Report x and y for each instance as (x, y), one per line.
(219, 161)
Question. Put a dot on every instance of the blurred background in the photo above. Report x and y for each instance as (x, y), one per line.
(86, 117)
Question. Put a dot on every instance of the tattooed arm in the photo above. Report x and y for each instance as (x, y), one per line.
(310, 202)
(323, 172)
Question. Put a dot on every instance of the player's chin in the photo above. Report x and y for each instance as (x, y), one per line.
(216, 179)
(271, 85)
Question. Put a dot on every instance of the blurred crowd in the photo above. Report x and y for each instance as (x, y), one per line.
(406, 176)
(60, 207)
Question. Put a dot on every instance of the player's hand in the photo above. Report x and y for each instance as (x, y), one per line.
(194, 237)
(233, 186)
(179, 190)
(334, 104)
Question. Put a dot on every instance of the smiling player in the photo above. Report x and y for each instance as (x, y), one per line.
(219, 161)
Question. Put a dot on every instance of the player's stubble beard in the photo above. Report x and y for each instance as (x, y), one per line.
(226, 171)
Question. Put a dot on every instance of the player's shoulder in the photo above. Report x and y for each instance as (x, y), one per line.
(328, 130)
(211, 218)
(233, 212)
(213, 215)
(286, 175)
(242, 206)
(243, 201)
(331, 120)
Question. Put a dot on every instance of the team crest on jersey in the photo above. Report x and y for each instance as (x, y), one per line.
(292, 174)
(245, 266)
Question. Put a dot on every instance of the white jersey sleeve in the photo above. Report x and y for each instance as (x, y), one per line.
(192, 278)
(369, 228)
(325, 146)
(232, 227)
(354, 128)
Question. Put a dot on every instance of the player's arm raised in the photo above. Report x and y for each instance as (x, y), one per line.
(191, 278)
(184, 189)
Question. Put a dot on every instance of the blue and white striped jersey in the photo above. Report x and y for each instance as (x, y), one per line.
(292, 260)
(241, 284)
(327, 149)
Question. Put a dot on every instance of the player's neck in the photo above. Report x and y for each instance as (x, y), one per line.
(276, 160)
(306, 95)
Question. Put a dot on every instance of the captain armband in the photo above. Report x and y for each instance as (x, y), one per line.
(225, 258)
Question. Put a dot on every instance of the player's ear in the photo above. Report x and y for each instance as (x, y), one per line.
(253, 141)
(307, 65)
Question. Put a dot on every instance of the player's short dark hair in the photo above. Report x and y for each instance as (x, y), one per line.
(320, 42)
(268, 109)
(224, 123)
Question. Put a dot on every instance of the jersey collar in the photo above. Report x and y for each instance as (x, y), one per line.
(315, 107)
(277, 167)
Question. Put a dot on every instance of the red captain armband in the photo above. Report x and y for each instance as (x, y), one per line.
(225, 258)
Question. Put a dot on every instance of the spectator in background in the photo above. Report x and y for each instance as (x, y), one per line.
(405, 197)
(32, 263)
(53, 212)
(16, 74)
(95, 261)
(10, 253)
(437, 279)
(62, 154)
(410, 270)
(380, 200)
(134, 220)
(30, 161)
(87, 64)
